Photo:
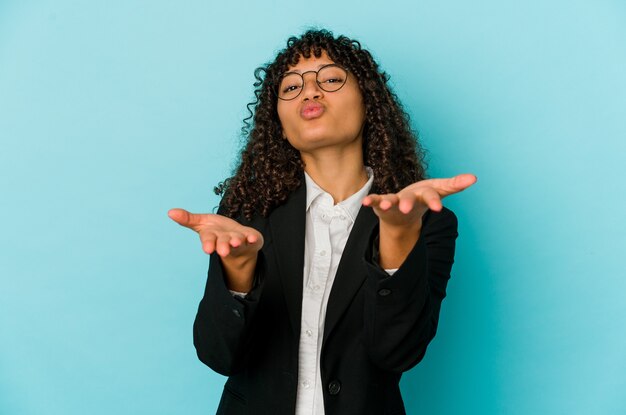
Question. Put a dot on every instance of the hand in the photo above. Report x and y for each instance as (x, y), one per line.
(220, 234)
(400, 214)
(409, 204)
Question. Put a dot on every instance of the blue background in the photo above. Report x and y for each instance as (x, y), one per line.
(113, 112)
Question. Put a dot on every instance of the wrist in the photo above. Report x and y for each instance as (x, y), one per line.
(395, 243)
(400, 232)
(239, 272)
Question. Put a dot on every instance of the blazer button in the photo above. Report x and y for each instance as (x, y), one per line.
(236, 312)
(384, 292)
(334, 387)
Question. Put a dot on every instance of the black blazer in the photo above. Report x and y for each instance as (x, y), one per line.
(376, 327)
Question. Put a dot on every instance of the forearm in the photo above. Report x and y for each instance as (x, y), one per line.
(223, 322)
(395, 243)
(239, 272)
(396, 309)
(403, 310)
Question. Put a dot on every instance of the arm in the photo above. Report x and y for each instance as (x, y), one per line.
(222, 329)
(222, 325)
(402, 311)
(236, 245)
(417, 235)
(400, 214)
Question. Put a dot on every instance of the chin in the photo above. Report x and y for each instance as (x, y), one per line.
(310, 141)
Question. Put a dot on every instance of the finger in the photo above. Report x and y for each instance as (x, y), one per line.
(252, 238)
(432, 199)
(208, 242)
(236, 239)
(448, 186)
(222, 246)
(179, 216)
(185, 218)
(407, 202)
(371, 200)
(381, 202)
(463, 181)
(388, 201)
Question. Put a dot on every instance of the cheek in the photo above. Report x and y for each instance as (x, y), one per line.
(356, 102)
(283, 117)
(356, 113)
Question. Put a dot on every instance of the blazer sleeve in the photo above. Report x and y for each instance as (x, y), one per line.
(222, 329)
(402, 310)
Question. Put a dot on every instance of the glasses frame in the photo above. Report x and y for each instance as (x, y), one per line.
(304, 82)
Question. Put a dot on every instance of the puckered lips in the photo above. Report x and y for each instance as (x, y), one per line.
(311, 110)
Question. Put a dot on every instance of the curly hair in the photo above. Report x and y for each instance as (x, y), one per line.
(270, 168)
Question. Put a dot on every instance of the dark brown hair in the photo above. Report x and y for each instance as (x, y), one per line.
(270, 168)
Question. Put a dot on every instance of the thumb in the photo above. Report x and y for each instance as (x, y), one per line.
(181, 216)
(463, 181)
(452, 185)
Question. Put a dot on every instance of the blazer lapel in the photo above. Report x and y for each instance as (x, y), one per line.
(350, 276)
(288, 225)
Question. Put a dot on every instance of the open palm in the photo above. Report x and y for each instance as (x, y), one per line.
(410, 203)
(220, 234)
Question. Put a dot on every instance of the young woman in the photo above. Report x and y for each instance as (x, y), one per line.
(330, 252)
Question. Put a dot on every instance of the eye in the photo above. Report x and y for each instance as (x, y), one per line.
(332, 76)
(290, 88)
(332, 80)
(290, 83)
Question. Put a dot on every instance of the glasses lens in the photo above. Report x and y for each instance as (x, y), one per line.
(331, 78)
(290, 86)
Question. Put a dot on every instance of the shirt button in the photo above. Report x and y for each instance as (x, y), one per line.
(316, 287)
(334, 387)
(306, 384)
(342, 217)
(323, 253)
(384, 292)
(309, 333)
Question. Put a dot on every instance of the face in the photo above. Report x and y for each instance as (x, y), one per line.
(317, 119)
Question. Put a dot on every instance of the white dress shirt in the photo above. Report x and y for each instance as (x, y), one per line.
(327, 229)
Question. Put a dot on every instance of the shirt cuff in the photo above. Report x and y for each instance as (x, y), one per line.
(238, 294)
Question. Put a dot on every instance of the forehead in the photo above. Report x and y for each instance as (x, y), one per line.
(312, 63)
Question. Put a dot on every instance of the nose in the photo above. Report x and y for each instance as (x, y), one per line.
(311, 90)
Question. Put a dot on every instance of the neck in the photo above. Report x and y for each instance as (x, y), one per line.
(340, 173)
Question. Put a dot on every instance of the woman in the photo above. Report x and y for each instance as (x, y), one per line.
(330, 252)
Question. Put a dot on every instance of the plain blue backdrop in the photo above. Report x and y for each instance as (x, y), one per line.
(113, 112)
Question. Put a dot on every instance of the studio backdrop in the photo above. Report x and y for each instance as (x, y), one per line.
(113, 112)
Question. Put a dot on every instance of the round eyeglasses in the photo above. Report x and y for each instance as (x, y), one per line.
(329, 78)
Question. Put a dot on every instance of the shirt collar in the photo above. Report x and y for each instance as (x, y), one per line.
(351, 205)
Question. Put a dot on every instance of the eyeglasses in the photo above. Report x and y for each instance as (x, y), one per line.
(329, 78)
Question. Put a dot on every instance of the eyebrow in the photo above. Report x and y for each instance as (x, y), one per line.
(318, 67)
